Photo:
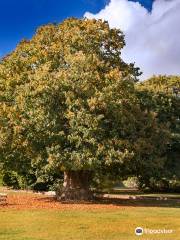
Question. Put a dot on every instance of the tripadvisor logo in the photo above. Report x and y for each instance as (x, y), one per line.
(140, 231)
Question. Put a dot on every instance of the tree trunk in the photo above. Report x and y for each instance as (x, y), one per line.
(76, 186)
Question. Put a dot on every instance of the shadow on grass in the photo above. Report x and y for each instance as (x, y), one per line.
(173, 203)
(143, 202)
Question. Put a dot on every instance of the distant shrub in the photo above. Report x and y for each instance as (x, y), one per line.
(131, 182)
(40, 186)
(10, 179)
(29, 180)
(58, 183)
(163, 185)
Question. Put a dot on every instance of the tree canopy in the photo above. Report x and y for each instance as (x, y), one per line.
(68, 102)
(160, 94)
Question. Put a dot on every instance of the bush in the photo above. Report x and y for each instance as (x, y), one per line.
(38, 181)
(58, 183)
(40, 186)
(1, 180)
(163, 185)
(175, 185)
(131, 182)
(10, 179)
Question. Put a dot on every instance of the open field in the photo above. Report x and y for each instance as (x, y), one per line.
(30, 216)
(98, 224)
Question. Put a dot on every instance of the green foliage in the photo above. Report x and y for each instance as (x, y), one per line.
(162, 84)
(1, 181)
(131, 182)
(10, 179)
(68, 102)
(161, 95)
(44, 182)
(164, 185)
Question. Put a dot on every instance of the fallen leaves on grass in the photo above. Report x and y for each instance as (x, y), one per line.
(36, 201)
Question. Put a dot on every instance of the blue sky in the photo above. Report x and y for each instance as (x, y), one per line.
(20, 18)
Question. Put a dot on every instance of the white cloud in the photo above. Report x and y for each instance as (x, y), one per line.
(152, 39)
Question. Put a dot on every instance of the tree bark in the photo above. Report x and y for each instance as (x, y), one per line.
(76, 186)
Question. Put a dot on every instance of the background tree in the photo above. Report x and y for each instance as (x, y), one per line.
(68, 103)
(161, 95)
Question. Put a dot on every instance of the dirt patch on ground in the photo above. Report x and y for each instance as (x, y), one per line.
(39, 201)
(29, 200)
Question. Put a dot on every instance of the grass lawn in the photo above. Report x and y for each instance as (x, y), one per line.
(97, 224)
(29, 216)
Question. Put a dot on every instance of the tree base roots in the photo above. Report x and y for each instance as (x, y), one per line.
(74, 195)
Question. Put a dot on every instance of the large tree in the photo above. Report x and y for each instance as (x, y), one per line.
(68, 102)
